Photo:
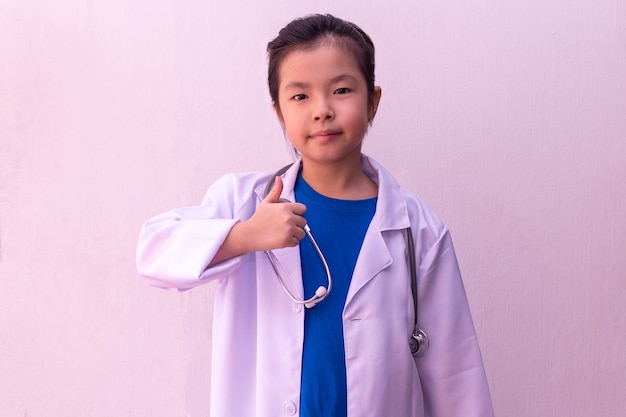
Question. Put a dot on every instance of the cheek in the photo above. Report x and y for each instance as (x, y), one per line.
(293, 125)
(358, 116)
(290, 120)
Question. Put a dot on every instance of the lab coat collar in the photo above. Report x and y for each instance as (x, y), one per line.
(391, 209)
(391, 214)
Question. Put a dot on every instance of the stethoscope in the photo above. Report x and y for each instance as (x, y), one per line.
(418, 341)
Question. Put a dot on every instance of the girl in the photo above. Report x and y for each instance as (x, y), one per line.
(348, 352)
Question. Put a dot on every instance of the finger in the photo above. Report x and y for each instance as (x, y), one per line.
(274, 195)
(296, 238)
(298, 208)
(300, 222)
(299, 234)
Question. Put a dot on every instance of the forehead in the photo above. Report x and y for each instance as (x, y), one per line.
(318, 64)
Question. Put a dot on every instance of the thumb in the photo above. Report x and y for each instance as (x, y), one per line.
(274, 195)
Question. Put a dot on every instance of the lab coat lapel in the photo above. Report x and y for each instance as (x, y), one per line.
(391, 214)
(373, 258)
(288, 258)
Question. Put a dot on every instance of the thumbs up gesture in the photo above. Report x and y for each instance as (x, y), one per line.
(277, 224)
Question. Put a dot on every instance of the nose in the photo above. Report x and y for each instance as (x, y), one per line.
(323, 111)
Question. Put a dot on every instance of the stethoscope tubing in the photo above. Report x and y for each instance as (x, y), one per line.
(322, 292)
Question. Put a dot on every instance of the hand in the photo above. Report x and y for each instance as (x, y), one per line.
(275, 224)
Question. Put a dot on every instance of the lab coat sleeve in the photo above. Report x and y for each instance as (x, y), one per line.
(451, 372)
(175, 248)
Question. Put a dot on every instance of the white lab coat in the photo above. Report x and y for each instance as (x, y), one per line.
(258, 331)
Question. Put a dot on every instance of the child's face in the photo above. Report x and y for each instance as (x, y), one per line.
(324, 104)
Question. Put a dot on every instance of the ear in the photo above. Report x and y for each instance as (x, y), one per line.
(373, 104)
(279, 114)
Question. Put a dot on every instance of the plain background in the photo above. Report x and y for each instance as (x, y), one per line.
(507, 117)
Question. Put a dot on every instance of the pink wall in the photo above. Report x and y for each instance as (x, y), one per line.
(509, 118)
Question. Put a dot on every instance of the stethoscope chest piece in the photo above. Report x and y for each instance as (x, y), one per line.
(418, 343)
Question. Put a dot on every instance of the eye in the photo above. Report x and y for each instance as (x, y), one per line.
(299, 97)
(342, 90)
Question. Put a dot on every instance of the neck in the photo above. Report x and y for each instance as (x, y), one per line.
(341, 181)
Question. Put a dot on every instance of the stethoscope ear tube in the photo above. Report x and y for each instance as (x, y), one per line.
(322, 292)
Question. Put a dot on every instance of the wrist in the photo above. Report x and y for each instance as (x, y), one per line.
(238, 240)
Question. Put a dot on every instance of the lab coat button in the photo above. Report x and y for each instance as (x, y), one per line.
(289, 407)
(296, 307)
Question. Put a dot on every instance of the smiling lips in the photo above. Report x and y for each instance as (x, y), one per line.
(325, 134)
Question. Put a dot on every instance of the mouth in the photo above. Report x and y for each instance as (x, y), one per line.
(325, 134)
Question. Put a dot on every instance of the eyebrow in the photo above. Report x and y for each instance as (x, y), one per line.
(339, 78)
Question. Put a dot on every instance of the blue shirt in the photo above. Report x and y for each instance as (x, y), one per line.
(339, 227)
